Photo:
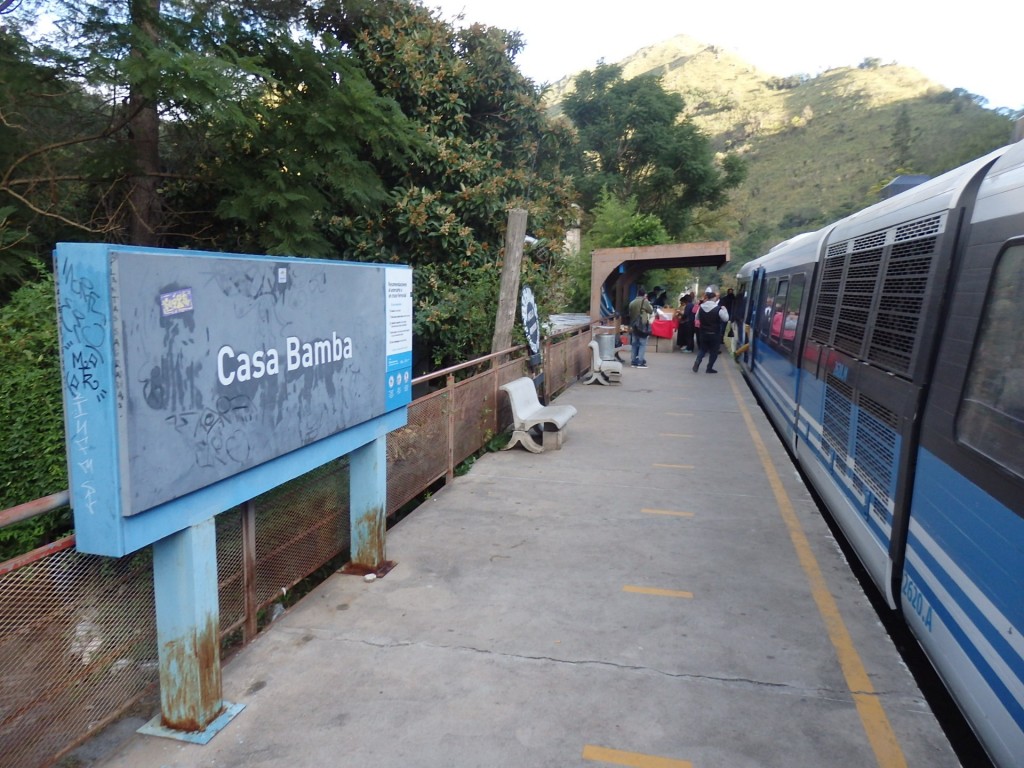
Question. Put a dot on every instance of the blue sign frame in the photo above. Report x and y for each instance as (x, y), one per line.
(194, 381)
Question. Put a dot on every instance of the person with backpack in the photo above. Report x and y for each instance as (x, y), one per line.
(640, 313)
(711, 317)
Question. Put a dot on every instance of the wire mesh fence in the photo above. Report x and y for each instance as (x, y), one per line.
(78, 632)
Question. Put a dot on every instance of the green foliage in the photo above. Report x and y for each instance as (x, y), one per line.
(489, 147)
(637, 145)
(356, 130)
(16, 257)
(612, 220)
(645, 230)
(616, 224)
(312, 154)
(492, 444)
(38, 110)
(755, 242)
(32, 431)
(810, 142)
(783, 83)
(456, 308)
(902, 141)
(807, 218)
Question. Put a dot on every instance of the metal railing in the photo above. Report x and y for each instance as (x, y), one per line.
(78, 631)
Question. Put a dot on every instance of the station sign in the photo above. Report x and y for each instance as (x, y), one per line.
(185, 369)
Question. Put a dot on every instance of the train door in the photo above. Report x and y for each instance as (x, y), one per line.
(739, 312)
(753, 315)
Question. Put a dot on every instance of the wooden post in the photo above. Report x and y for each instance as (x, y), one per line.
(515, 235)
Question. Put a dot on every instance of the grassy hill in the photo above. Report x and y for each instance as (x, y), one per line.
(816, 147)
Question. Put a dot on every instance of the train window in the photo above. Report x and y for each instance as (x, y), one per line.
(796, 297)
(991, 417)
(779, 309)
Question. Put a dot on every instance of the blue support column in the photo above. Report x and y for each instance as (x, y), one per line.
(188, 636)
(368, 508)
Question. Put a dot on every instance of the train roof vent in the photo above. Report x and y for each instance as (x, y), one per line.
(920, 228)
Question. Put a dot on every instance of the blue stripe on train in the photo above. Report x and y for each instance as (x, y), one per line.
(983, 537)
(974, 612)
(977, 660)
(980, 548)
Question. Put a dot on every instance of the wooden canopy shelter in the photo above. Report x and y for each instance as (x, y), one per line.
(616, 269)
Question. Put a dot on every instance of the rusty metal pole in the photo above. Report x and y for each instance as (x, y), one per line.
(188, 636)
(368, 486)
(546, 395)
(450, 386)
(495, 389)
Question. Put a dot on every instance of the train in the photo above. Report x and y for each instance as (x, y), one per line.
(887, 349)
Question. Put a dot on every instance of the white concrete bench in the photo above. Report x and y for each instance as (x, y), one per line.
(533, 423)
(602, 371)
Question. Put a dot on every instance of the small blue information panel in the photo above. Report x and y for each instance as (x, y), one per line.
(398, 390)
(194, 381)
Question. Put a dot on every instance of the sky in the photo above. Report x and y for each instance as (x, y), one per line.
(973, 47)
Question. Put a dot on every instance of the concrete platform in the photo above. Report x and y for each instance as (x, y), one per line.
(661, 593)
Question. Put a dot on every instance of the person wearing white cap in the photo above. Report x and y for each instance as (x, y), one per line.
(712, 317)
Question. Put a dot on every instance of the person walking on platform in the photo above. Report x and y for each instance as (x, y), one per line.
(684, 323)
(711, 316)
(640, 309)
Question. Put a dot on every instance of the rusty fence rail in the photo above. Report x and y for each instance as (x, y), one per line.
(78, 632)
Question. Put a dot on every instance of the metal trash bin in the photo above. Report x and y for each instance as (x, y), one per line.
(606, 346)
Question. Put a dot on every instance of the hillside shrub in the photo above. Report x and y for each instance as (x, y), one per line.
(31, 414)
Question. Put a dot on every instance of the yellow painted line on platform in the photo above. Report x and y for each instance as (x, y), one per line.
(631, 759)
(674, 466)
(656, 591)
(876, 724)
(666, 512)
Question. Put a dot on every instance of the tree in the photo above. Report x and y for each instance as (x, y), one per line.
(489, 148)
(201, 123)
(34, 210)
(636, 144)
(616, 224)
(144, 209)
(901, 142)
